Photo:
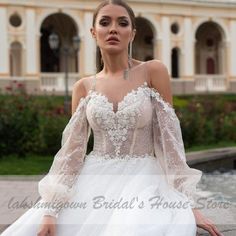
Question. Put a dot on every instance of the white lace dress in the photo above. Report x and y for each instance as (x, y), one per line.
(135, 182)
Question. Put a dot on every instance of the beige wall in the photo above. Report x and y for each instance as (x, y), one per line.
(160, 14)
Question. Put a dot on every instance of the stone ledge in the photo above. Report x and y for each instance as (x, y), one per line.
(210, 160)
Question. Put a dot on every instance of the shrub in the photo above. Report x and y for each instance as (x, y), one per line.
(34, 124)
(30, 124)
(208, 119)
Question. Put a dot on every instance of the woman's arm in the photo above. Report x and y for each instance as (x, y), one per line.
(58, 186)
(78, 92)
(172, 145)
(160, 80)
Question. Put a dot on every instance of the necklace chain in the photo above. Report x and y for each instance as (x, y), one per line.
(127, 70)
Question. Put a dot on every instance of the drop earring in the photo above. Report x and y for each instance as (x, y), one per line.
(130, 49)
(127, 70)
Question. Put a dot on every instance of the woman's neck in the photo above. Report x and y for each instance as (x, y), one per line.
(114, 64)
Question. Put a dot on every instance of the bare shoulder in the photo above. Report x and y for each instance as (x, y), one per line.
(80, 89)
(157, 71)
(160, 79)
(156, 65)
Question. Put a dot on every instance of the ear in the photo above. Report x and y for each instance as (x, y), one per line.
(133, 34)
(92, 30)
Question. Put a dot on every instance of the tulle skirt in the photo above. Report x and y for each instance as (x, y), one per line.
(114, 197)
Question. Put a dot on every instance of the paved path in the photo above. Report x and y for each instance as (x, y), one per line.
(14, 196)
(20, 192)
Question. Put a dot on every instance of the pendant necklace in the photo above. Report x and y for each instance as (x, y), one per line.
(127, 71)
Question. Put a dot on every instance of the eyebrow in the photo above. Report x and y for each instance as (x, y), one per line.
(120, 17)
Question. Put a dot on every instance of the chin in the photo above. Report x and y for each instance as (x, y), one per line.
(113, 50)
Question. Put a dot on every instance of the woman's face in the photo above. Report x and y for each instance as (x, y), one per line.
(113, 29)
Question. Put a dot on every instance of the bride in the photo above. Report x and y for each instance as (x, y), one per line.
(135, 182)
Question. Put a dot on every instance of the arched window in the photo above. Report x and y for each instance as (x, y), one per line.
(210, 66)
(209, 49)
(143, 46)
(16, 59)
(175, 63)
(65, 27)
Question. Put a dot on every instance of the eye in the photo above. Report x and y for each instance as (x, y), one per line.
(124, 23)
(103, 22)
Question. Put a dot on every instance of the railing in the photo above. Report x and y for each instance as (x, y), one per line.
(211, 83)
(56, 81)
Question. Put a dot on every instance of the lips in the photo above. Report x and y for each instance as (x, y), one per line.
(113, 39)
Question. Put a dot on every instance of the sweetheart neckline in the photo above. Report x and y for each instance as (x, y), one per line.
(153, 90)
(123, 100)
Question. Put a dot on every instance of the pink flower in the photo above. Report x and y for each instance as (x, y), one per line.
(60, 110)
(8, 88)
(20, 85)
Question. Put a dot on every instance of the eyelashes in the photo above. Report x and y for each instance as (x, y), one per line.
(106, 23)
(124, 24)
(103, 23)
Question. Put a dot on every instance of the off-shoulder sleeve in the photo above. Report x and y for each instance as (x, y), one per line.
(169, 148)
(58, 186)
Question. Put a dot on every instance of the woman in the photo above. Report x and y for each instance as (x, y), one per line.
(138, 150)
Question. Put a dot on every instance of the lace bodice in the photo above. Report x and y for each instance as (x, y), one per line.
(126, 131)
(142, 125)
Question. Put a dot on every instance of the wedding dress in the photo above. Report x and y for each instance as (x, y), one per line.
(134, 182)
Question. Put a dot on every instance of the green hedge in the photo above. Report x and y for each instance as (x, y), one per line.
(34, 124)
(207, 119)
(31, 124)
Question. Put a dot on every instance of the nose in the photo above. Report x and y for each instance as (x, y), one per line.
(113, 29)
(113, 32)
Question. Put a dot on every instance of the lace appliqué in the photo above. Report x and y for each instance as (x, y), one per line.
(116, 124)
(101, 157)
(169, 147)
(170, 124)
(58, 185)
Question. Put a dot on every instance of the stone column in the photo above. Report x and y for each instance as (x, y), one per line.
(89, 46)
(166, 44)
(232, 51)
(31, 43)
(188, 54)
(4, 47)
(157, 48)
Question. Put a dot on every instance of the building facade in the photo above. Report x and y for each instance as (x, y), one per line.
(195, 39)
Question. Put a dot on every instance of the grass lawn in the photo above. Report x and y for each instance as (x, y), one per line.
(212, 146)
(38, 165)
(31, 165)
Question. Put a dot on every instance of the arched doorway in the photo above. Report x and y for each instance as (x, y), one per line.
(65, 27)
(143, 48)
(175, 63)
(16, 59)
(210, 66)
(209, 49)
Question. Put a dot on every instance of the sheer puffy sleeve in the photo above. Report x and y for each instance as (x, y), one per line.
(169, 148)
(58, 185)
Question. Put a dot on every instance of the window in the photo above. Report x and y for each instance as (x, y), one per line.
(175, 28)
(15, 20)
